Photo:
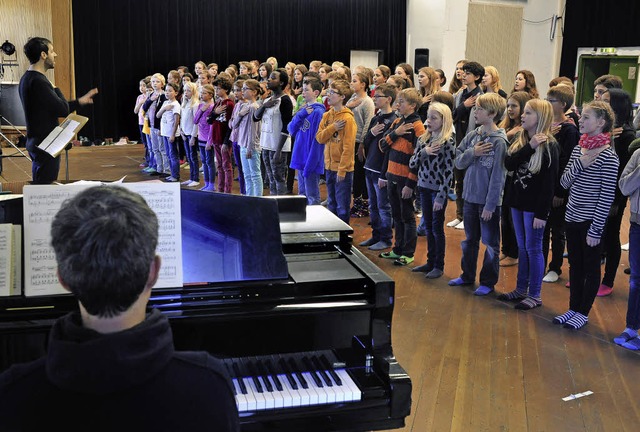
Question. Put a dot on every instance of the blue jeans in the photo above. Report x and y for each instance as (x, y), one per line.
(171, 148)
(276, 171)
(339, 194)
(208, 163)
(252, 172)
(192, 157)
(148, 154)
(475, 230)
(309, 186)
(530, 259)
(379, 208)
(157, 147)
(404, 219)
(434, 227)
(633, 305)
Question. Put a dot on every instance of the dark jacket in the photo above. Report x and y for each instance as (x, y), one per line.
(129, 380)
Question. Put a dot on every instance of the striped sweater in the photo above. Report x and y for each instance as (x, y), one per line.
(591, 190)
(398, 150)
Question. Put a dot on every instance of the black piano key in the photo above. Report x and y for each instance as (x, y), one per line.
(312, 371)
(264, 374)
(320, 371)
(274, 375)
(298, 372)
(239, 377)
(328, 366)
(254, 376)
(288, 373)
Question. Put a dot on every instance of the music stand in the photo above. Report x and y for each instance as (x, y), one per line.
(3, 118)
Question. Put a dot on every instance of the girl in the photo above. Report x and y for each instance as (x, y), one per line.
(363, 110)
(526, 82)
(324, 72)
(199, 68)
(298, 75)
(620, 102)
(169, 114)
(512, 126)
(249, 137)
(405, 70)
(289, 67)
(429, 84)
(204, 131)
(151, 107)
(630, 186)
(237, 91)
(380, 76)
(491, 82)
(189, 130)
(590, 177)
(433, 158)
(441, 77)
(140, 100)
(264, 72)
(533, 158)
(456, 82)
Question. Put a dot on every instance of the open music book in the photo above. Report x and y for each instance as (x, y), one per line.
(59, 137)
(42, 202)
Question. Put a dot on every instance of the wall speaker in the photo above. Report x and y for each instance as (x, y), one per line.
(421, 59)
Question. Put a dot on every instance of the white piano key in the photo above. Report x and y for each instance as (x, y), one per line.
(282, 398)
(270, 400)
(321, 395)
(294, 396)
(241, 400)
(354, 394)
(306, 397)
(257, 397)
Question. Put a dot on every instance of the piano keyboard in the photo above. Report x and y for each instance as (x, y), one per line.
(290, 380)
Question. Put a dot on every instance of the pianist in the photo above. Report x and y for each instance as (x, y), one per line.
(111, 366)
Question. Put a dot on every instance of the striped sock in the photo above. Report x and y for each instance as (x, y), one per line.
(576, 322)
(529, 303)
(561, 319)
(511, 296)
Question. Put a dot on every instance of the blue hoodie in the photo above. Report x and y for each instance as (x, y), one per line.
(308, 153)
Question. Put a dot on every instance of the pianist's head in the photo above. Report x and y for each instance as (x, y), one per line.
(105, 242)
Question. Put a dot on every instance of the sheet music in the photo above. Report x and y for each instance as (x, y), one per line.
(61, 135)
(42, 202)
(6, 262)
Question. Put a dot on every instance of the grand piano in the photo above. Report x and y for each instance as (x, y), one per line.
(275, 288)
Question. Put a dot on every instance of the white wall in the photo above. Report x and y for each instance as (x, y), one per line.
(441, 26)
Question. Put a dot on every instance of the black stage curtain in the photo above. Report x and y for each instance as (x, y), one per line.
(119, 42)
(597, 23)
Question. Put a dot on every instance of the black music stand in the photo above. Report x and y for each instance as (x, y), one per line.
(18, 153)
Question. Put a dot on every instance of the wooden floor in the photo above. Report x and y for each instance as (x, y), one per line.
(476, 363)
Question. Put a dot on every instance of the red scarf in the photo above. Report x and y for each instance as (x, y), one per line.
(596, 141)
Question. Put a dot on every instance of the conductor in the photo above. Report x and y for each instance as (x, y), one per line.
(43, 104)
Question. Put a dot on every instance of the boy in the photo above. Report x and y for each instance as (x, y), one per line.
(379, 207)
(337, 131)
(481, 153)
(398, 145)
(464, 121)
(566, 133)
(219, 137)
(307, 156)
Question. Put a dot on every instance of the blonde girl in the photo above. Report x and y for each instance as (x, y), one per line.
(249, 137)
(189, 131)
(491, 82)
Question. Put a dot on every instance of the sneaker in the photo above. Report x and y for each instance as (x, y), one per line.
(368, 242)
(403, 260)
(193, 183)
(424, 268)
(508, 261)
(604, 290)
(381, 245)
(324, 203)
(454, 223)
(185, 183)
(171, 179)
(460, 226)
(551, 277)
(434, 274)
(624, 337)
(390, 255)
(625, 247)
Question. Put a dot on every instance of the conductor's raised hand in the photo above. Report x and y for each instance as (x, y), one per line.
(88, 97)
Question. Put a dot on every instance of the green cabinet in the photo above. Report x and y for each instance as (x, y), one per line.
(591, 67)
